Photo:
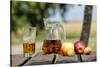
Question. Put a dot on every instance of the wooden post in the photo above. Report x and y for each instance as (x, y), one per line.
(86, 27)
(86, 24)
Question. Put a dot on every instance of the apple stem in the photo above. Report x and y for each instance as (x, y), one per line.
(54, 59)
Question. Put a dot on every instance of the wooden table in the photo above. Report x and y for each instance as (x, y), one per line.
(40, 59)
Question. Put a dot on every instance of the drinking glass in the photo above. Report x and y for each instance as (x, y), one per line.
(29, 36)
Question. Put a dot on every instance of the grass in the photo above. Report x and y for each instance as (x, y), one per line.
(73, 33)
(92, 43)
(15, 39)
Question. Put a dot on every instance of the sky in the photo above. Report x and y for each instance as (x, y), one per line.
(75, 13)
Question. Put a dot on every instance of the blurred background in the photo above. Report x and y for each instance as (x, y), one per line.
(24, 13)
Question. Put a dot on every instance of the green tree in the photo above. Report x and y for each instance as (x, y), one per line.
(32, 13)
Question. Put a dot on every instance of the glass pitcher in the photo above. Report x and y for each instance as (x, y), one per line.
(53, 35)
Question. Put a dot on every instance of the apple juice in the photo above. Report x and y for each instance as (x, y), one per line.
(51, 46)
(28, 49)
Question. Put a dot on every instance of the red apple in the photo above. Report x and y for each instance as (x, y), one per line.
(79, 47)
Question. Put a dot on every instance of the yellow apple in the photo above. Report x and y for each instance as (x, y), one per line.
(87, 50)
(70, 52)
(67, 49)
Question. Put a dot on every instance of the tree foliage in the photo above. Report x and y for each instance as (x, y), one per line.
(32, 13)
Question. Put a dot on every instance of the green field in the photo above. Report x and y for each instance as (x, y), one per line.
(73, 33)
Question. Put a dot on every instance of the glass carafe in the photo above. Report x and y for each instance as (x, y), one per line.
(53, 37)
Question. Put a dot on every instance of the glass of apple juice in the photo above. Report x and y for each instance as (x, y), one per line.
(29, 36)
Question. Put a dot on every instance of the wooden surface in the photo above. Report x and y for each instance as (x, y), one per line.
(40, 59)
